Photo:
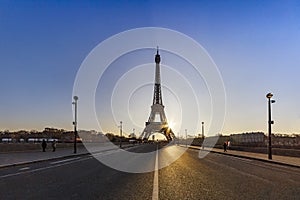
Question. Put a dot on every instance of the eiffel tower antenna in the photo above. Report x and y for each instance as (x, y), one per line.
(157, 122)
(157, 98)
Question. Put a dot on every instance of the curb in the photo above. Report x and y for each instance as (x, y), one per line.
(248, 157)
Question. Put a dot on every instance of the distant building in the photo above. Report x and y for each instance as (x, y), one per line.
(53, 130)
(286, 140)
(247, 138)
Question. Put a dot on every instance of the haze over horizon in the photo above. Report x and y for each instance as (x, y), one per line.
(254, 44)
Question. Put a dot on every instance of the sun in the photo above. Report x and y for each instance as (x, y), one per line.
(171, 124)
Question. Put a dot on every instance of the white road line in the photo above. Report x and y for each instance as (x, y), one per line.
(66, 160)
(43, 168)
(241, 172)
(24, 168)
(155, 181)
(243, 159)
(106, 153)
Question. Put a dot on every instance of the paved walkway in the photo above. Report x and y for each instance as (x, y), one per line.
(284, 160)
(21, 158)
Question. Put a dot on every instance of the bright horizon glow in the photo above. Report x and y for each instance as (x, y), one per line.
(158, 136)
(171, 125)
(255, 45)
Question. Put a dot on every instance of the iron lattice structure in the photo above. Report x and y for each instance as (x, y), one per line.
(157, 122)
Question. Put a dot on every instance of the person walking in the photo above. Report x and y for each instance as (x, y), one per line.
(44, 145)
(228, 144)
(54, 145)
(225, 146)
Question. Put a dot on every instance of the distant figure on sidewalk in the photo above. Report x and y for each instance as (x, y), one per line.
(225, 146)
(228, 144)
(54, 145)
(44, 145)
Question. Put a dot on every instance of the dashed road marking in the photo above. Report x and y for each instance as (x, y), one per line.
(24, 168)
(43, 168)
(243, 159)
(236, 170)
(66, 160)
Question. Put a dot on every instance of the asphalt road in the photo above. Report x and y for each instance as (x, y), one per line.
(214, 177)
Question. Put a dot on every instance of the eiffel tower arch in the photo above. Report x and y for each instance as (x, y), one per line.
(157, 122)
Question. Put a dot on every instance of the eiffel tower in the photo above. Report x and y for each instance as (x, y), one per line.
(157, 122)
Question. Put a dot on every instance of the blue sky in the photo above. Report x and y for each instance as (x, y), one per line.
(255, 45)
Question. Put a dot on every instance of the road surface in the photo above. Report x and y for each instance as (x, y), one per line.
(214, 177)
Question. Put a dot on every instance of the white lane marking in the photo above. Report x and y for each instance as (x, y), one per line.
(66, 160)
(243, 159)
(43, 168)
(241, 172)
(155, 181)
(262, 164)
(24, 168)
(57, 165)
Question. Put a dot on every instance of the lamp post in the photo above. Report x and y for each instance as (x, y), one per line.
(202, 135)
(121, 134)
(185, 137)
(270, 122)
(75, 123)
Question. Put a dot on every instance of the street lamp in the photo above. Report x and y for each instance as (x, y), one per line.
(270, 122)
(202, 135)
(75, 123)
(121, 134)
(185, 137)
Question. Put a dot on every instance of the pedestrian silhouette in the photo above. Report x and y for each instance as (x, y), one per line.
(44, 145)
(225, 146)
(54, 145)
(228, 144)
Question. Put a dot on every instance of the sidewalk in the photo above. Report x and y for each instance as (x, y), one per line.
(21, 158)
(282, 160)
